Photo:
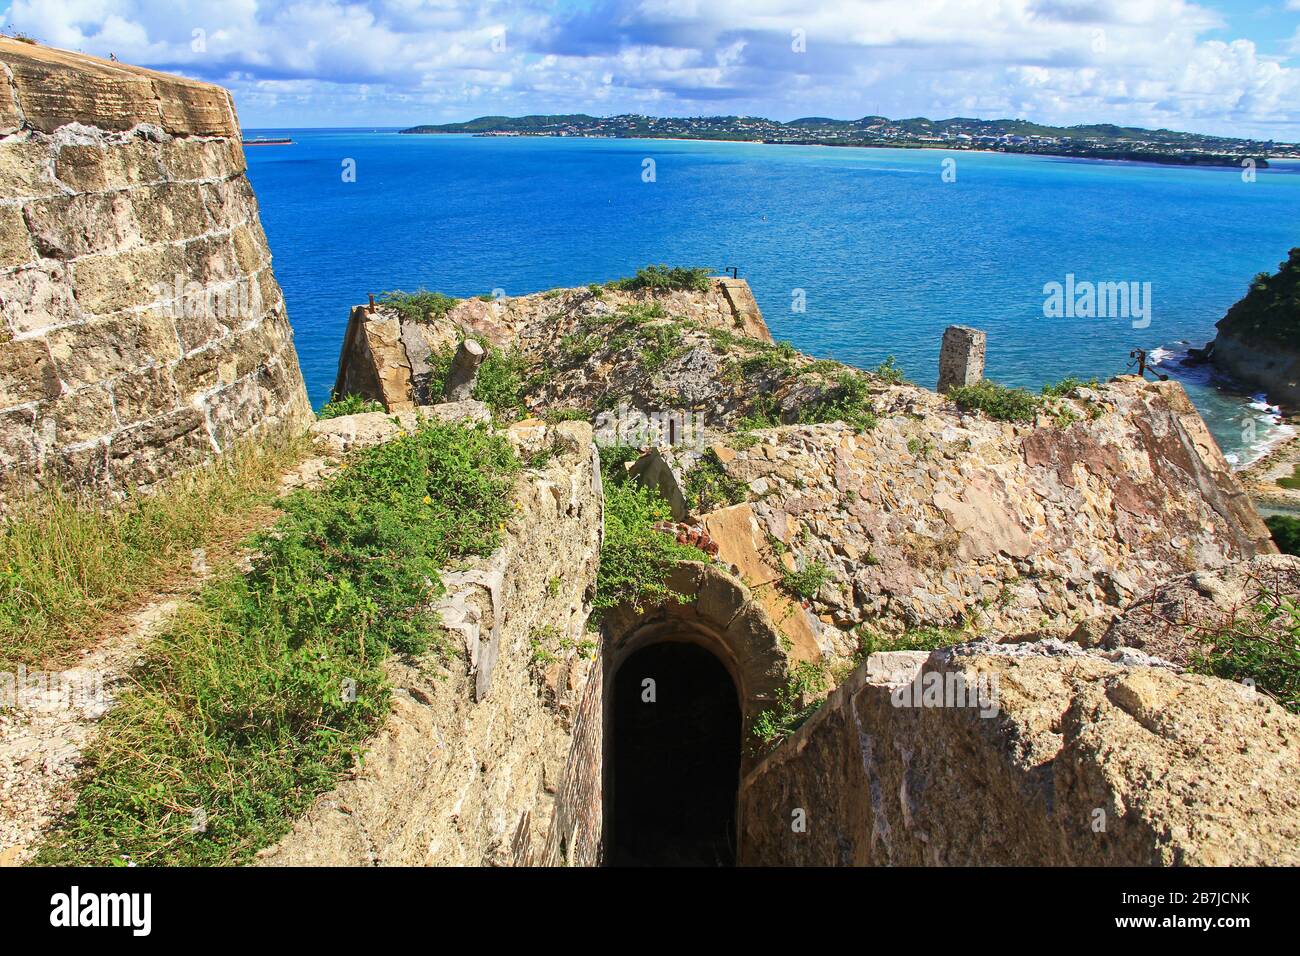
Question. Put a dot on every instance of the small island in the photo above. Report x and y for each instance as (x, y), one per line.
(1099, 141)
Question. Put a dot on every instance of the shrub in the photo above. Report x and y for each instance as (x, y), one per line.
(710, 487)
(997, 401)
(1286, 533)
(661, 278)
(418, 306)
(1292, 481)
(348, 405)
(1262, 646)
(848, 402)
(889, 371)
(807, 581)
(258, 697)
(634, 558)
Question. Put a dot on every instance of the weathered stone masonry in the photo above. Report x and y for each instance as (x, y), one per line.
(141, 327)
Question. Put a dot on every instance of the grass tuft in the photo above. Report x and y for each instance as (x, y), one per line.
(69, 562)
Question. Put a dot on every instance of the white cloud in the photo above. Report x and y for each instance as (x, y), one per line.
(1146, 62)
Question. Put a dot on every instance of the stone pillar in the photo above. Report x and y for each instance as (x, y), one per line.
(961, 357)
(464, 370)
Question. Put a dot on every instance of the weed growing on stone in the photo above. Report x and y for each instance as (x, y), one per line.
(709, 486)
(348, 405)
(419, 306)
(259, 696)
(807, 581)
(662, 278)
(848, 402)
(68, 561)
(997, 401)
(500, 384)
(795, 703)
(1261, 646)
(635, 558)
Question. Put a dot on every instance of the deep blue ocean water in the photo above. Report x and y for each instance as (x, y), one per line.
(886, 252)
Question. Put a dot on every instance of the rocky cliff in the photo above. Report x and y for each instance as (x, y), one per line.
(1258, 340)
(141, 327)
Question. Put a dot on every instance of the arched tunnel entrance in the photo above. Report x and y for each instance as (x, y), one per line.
(675, 738)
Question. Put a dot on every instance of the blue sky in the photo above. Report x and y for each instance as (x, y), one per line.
(1223, 66)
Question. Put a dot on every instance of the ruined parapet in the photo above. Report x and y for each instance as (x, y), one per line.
(1030, 754)
(141, 327)
(387, 357)
(935, 518)
(961, 357)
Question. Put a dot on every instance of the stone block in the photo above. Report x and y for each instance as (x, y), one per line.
(38, 297)
(149, 452)
(27, 373)
(15, 244)
(92, 167)
(79, 416)
(112, 283)
(169, 212)
(25, 170)
(19, 451)
(188, 159)
(138, 396)
(66, 227)
(99, 350)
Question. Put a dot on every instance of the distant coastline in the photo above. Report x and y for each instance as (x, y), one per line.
(1101, 142)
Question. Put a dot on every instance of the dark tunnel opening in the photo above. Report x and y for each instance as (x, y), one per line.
(676, 760)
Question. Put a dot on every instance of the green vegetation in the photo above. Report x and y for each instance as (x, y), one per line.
(634, 558)
(807, 581)
(258, 697)
(997, 401)
(1067, 385)
(1292, 481)
(662, 278)
(708, 486)
(889, 371)
(916, 639)
(1269, 313)
(348, 405)
(1261, 646)
(807, 680)
(660, 344)
(500, 384)
(848, 402)
(419, 306)
(1286, 533)
(68, 562)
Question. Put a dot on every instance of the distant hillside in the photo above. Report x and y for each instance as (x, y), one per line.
(1098, 141)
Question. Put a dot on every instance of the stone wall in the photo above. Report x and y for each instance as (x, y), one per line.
(1075, 758)
(493, 757)
(141, 327)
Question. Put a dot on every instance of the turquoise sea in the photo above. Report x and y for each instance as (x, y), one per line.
(886, 252)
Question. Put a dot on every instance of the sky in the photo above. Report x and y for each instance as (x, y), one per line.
(1230, 67)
